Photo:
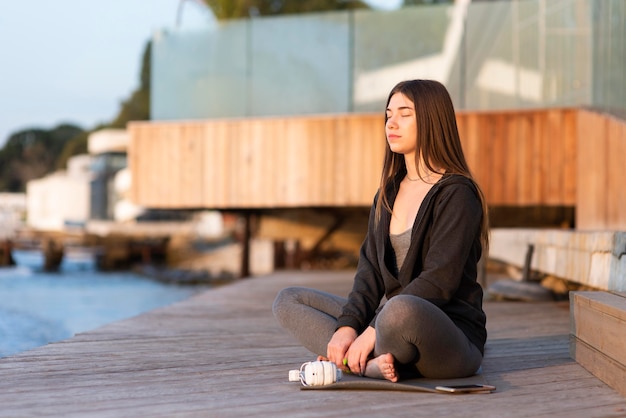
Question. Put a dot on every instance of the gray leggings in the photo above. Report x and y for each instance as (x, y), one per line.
(420, 336)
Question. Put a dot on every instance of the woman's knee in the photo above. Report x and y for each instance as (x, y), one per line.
(287, 295)
(402, 308)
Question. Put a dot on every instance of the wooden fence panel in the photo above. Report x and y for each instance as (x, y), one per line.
(601, 143)
(537, 174)
(190, 150)
(525, 154)
(256, 163)
(534, 157)
(616, 200)
(570, 156)
(615, 157)
(497, 146)
(214, 182)
(522, 158)
(592, 180)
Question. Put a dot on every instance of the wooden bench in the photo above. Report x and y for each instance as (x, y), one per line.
(598, 335)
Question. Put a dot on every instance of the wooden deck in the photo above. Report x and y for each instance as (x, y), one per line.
(221, 353)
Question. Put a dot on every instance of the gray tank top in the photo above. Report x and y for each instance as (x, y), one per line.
(400, 243)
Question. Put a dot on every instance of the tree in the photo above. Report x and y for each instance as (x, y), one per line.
(31, 154)
(234, 9)
(137, 107)
(75, 146)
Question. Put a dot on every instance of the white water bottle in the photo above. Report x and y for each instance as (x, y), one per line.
(316, 373)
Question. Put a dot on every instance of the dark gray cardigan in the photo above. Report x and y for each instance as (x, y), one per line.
(440, 265)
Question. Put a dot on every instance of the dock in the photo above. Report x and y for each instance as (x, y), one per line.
(222, 354)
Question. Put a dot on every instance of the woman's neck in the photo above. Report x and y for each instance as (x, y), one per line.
(421, 172)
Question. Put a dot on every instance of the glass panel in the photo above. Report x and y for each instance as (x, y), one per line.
(492, 76)
(409, 43)
(567, 71)
(490, 55)
(528, 56)
(200, 73)
(300, 64)
(609, 57)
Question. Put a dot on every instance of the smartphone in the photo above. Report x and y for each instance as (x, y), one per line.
(465, 388)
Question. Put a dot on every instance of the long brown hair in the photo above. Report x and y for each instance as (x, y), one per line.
(438, 142)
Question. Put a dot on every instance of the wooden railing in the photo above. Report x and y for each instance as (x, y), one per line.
(524, 157)
(601, 190)
(520, 158)
(257, 163)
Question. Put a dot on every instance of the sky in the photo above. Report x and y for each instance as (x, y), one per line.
(75, 61)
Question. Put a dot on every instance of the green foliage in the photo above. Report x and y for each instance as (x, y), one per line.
(31, 154)
(75, 146)
(137, 107)
(234, 9)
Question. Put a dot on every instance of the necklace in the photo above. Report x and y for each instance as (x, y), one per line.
(426, 178)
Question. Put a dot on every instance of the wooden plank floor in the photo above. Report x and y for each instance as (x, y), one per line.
(221, 353)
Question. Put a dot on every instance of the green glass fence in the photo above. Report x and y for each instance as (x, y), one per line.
(491, 55)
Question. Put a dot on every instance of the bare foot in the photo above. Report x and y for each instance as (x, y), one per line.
(382, 367)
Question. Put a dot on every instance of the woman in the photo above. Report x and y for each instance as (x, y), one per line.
(415, 307)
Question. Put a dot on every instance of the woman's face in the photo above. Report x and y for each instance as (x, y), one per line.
(401, 126)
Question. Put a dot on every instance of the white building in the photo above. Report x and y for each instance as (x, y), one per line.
(61, 198)
(110, 191)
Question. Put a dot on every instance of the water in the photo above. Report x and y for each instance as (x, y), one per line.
(37, 308)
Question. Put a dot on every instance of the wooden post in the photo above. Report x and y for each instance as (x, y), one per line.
(526, 271)
(6, 259)
(245, 244)
(53, 255)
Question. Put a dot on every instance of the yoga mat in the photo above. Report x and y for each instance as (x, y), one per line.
(352, 382)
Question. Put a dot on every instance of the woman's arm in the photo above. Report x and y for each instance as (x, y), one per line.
(368, 287)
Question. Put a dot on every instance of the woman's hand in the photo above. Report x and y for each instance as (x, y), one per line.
(338, 345)
(359, 351)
